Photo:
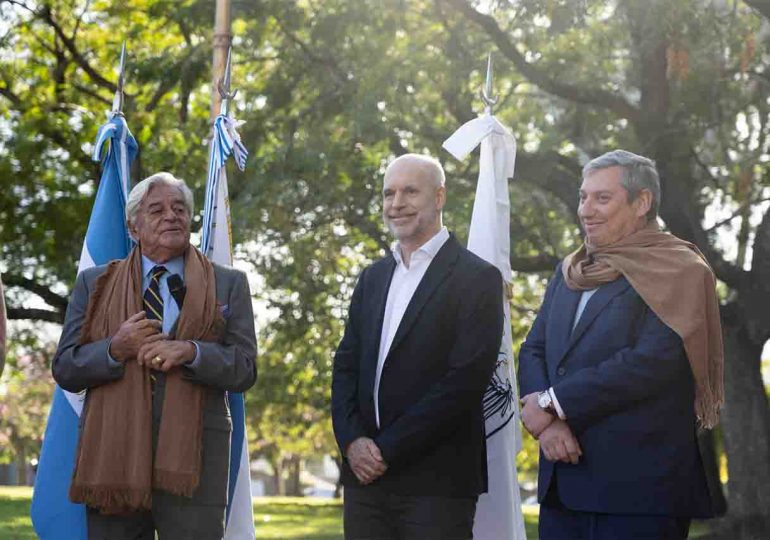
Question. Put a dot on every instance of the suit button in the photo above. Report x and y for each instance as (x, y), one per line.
(561, 371)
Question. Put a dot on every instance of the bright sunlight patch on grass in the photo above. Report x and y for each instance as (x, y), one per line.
(275, 518)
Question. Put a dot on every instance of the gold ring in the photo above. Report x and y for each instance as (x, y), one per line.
(157, 360)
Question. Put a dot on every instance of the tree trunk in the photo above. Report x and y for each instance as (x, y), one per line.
(746, 433)
(338, 484)
(293, 486)
(21, 467)
(278, 483)
(707, 444)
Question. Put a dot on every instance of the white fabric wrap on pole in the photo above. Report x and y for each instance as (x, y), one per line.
(498, 512)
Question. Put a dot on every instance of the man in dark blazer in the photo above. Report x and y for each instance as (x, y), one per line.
(608, 387)
(419, 349)
(158, 214)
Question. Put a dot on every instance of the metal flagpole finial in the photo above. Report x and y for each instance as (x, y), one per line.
(224, 85)
(117, 102)
(486, 92)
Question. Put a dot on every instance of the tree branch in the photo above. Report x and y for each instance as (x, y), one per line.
(46, 16)
(51, 298)
(578, 94)
(552, 172)
(762, 6)
(540, 263)
(35, 315)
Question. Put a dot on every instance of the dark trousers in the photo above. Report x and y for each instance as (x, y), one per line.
(560, 523)
(201, 517)
(372, 513)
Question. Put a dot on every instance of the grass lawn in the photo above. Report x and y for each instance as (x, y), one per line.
(275, 518)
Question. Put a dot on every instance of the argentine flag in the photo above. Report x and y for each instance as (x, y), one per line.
(106, 239)
(216, 244)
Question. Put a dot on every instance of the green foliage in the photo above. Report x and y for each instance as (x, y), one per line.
(330, 90)
(25, 397)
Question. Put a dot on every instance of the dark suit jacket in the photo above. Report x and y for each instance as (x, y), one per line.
(624, 382)
(433, 379)
(226, 366)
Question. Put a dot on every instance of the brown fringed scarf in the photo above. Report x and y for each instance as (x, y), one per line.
(675, 280)
(114, 470)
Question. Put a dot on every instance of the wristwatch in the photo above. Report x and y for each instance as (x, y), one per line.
(545, 402)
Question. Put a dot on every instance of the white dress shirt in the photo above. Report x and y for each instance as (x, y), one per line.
(402, 287)
(584, 298)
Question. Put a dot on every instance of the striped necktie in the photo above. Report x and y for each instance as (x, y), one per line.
(153, 302)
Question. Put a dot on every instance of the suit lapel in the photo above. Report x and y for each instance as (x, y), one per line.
(439, 268)
(565, 301)
(595, 305)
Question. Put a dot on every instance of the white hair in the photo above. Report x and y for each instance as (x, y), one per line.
(142, 188)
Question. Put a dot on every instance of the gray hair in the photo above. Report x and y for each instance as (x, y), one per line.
(639, 173)
(427, 163)
(141, 189)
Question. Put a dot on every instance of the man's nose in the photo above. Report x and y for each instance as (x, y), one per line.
(585, 208)
(398, 199)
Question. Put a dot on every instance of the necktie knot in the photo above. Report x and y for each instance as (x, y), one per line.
(157, 272)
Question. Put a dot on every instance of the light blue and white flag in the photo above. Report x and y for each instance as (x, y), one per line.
(53, 515)
(498, 512)
(216, 244)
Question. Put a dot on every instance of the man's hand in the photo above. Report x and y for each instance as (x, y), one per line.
(133, 334)
(534, 418)
(559, 444)
(164, 354)
(366, 460)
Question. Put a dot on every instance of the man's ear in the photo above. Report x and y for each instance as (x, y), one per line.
(440, 197)
(643, 203)
(132, 232)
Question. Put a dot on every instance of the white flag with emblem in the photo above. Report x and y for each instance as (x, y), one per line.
(498, 512)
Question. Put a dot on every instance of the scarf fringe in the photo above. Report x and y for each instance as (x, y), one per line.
(112, 499)
(707, 407)
(177, 483)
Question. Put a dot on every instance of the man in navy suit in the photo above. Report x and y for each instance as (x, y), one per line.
(419, 349)
(608, 386)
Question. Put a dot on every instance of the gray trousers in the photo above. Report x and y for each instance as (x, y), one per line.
(201, 517)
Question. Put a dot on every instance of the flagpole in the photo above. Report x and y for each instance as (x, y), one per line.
(486, 93)
(222, 41)
(498, 511)
(117, 101)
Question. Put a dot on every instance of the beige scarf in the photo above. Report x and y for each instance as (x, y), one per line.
(675, 280)
(114, 469)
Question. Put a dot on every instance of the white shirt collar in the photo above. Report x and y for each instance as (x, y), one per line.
(430, 248)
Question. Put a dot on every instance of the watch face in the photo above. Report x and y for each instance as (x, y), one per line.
(544, 400)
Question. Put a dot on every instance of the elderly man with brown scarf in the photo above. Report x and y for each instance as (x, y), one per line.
(157, 339)
(622, 364)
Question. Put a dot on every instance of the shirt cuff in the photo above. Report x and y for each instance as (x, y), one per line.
(110, 360)
(197, 354)
(559, 410)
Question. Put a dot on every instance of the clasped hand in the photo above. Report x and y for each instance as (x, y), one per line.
(557, 441)
(141, 338)
(365, 460)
